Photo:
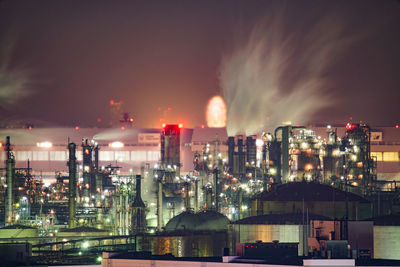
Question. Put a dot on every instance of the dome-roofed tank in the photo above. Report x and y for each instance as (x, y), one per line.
(202, 221)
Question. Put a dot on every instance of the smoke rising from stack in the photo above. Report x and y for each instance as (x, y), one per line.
(14, 82)
(278, 72)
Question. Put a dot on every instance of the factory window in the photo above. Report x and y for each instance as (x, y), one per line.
(79, 155)
(58, 155)
(390, 156)
(153, 155)
(23, 155)
(386, 156)
(106, 155)
(40, 155)
(376, 155)
(122, 156)
(138, 155)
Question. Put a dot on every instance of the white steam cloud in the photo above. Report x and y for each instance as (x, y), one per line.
(14, 83)
(278, 73)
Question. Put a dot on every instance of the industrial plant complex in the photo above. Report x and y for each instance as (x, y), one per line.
(69, 194)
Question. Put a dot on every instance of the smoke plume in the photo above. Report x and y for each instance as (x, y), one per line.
(278, 72)
(14, 82)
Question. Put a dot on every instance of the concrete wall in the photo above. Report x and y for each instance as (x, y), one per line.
(106, 262)
(247, 233)
(387, 242)
(325, 208)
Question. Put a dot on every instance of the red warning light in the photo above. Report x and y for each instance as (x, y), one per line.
(122, 128)
(180, 125)
(30, 127)
(397, 126)
(77, 128)
(203, 126)
(350, 126)
(98, 120)
(131, 120)
(112, 102)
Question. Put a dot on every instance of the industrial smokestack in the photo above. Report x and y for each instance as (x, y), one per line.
(72, 184)
(159, 205)
(285, 154)
(196, 195)
(216, 191)
(251, 150)
(98, 178)
(10, 165)
(138, 214)
(241, 155)
(208, 191)
(231, 151)
(96, 158)
(186, 196)
(87, 168)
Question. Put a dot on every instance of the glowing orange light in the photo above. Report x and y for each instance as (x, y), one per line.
(116, 144)
(45, 144)
(216, 112)
(112, 102)
(180, 125)
(131, 119)
(308, 167)
(163, 125)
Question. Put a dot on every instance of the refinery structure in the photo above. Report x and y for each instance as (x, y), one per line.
(75, 192)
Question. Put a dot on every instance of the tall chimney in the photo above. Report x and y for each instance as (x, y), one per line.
(10, 166)
(159, 205)
(98, 177)
(231, 151)
(241, 156)
(251, 151)
(196, 195)
(186, 187)
(216, 189)
(72, 184)
(138, 215)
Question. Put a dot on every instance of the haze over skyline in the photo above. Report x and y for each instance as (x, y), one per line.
(62, 62)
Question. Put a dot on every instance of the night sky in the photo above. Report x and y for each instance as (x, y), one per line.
(61, 62)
